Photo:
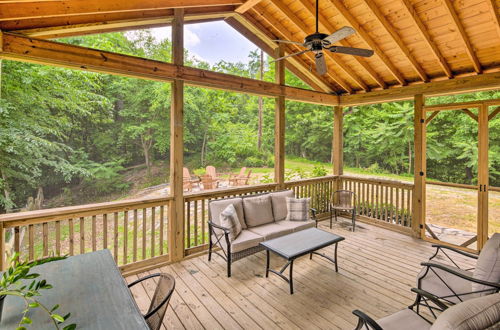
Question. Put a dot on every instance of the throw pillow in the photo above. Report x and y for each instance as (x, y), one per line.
(297, 209)
(229, 219)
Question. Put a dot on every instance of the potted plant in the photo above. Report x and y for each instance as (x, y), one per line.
(18, 281)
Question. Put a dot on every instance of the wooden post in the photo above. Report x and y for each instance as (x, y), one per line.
(279, 123)
(483, 176)
(2, 248)
(420, 168)
(338, 145)
(176, 208)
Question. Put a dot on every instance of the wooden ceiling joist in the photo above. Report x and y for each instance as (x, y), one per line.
(427, 37)
(27, 49)
(381, 18)
(246, 6)
(463, 35)
(344, 12)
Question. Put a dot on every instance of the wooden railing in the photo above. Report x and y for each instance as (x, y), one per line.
(386, 201)
(320, 190)
(135, 231)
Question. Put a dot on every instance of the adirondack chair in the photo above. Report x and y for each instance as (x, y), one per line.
(188, 181)
(213, 174)
(208, 182)
(233, 178)
(244, 180)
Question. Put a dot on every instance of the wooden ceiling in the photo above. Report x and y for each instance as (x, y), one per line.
(415, 41)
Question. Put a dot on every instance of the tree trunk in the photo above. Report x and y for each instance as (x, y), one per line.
(6, 192)
(146, 149)
(468, 173)
(203, 146)
(261, 104)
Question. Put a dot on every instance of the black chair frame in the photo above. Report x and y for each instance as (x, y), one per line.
(333, 211)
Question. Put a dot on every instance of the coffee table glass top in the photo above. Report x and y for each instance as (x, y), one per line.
(302, 242)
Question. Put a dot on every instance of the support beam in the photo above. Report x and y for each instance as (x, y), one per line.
(495, 13)
(20, 48)
(279, 124)
(422, 29)
(246, 6)
(176, 207)
(396, 38)
(463, 35)
(494, 113)
(482, 176)
(420, 169)
(485, 81)
(431, 117)
(344, 12)
(338, 141)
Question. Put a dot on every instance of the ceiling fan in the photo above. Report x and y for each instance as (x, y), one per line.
(317, 42)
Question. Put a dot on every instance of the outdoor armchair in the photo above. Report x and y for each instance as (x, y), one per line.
(343, 201)
(454, 284)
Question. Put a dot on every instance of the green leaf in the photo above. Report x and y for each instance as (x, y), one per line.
(70, 327)
(21, 328)
(34, 304)
(26, 320)
(54, 308)
(57, 317)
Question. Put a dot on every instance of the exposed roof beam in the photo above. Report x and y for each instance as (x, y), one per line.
(324, 24)
(496, 14)
(21, 48)
(303, 28)
(266, 36)
(246, 6)
(15, 10)
(397, 39)
(463, 36)
(344, 12)
(485, 81)
(427, 37)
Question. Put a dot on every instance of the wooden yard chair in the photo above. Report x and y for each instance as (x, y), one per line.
(188, 181)
(343, 201)
(213, 174)
(208, 182)
(233, 178)
(245, 179)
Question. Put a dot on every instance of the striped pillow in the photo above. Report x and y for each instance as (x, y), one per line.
(229, 219)
(297, 209)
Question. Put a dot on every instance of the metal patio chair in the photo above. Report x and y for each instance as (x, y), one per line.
(343, 201)
(161, 297)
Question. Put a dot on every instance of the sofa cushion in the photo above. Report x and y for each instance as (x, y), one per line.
(488, 264)
(229, 219)
(430, 282)
(297, 209)
(258, 210)
(217, 206)
(297, 225)
(271, 230)
(474, 314)
(245, 240)
(404, 319)
(278, 200)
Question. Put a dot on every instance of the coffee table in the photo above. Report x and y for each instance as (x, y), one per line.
(298, 244)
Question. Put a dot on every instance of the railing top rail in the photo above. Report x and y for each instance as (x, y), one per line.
(387, 182)
(61, 213)
(311, 180)
(213, 193)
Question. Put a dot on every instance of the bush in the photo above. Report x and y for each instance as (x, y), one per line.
(319, 170)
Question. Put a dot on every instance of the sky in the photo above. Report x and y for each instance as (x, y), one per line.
(212, 42)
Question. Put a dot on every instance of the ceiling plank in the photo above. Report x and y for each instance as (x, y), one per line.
(20, 48)
(463, 36)
(474, 83)
(344, 12)
(263, 33)
(324, 24)
(422, 29)
(304, 29)
(496, 14)
(397, 39)
(246, 6)
(39, 9)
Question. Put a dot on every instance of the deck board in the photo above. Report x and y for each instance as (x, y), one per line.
(377, 269)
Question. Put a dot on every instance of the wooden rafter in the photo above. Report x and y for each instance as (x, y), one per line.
(427, 37)
(463, 35)
(431, 117)
(21, 48)
(344, 12)
(469, 113)
(263, 34)
(303, 28)
(397, 39)
(493, 113)
(246, 6)
(495, 13)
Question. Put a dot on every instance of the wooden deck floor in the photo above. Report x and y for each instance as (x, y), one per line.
(377, 269)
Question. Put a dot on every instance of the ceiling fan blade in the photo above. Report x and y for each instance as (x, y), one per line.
(320, 63)
(339, 35)
(290, 42)
(351, 51)
(290, 55)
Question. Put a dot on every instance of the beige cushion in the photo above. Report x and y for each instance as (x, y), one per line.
(297, 225)
(217, 206)
(279, 203)
(488, 264)
(229, 219)
(271, 230)
(245, 240)
(433, 284)
(297, 209)
(405, 319)
(258, 210)
(474, 314)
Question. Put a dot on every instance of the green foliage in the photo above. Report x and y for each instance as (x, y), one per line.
(319, 170)
(14, 282)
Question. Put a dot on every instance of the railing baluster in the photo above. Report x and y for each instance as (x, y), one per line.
(115, 236)
(71, 237)
(188, 229)
(125, 236)
(31, 239)
(408, 209)
(203, 221)
(45, 236)
(105, 231)
(162, 221)
(195, 223)
(17, 240)
(153, 229)
(82, 235)
(144, 224)
(94, 233)
(134, 242)
(397, 207)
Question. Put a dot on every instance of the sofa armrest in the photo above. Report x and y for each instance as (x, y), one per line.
(314, 213)
(444, 247)
(431, 297)
(465, 277)
(226, 230)
(365, 322)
